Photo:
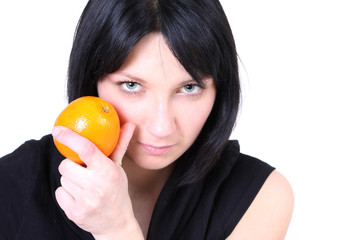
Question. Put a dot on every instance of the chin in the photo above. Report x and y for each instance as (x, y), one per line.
(151, 162)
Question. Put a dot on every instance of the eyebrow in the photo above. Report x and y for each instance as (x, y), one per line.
(132, 77)
(203, 82)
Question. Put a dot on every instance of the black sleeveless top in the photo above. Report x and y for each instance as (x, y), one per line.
(207, 209)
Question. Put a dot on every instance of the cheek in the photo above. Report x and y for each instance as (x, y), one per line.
(126, 109)
(128, 112)
(193, 121)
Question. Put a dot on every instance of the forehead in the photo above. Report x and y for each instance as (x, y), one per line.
(151, 56)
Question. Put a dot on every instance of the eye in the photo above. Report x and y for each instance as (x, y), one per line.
(190, 88)
(130, 87)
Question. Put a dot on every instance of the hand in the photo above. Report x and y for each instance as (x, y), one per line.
(96, 197)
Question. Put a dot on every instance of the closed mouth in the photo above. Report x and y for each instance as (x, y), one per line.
(156, 150)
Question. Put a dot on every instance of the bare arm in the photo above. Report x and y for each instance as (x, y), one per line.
(269, 215)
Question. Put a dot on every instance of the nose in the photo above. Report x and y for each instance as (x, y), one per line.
(161, 120)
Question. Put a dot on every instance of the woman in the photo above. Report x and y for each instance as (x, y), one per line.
(170, 70)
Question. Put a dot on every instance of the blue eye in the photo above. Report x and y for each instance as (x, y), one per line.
(130, 87)
(190, 88)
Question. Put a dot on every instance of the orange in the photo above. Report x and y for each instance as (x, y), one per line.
(92, 118)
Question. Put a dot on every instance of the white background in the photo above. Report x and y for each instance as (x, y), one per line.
(300, 82)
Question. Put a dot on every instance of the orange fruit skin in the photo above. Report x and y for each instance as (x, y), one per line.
(92, 118)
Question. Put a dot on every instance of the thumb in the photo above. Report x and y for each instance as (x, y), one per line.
(126, 133)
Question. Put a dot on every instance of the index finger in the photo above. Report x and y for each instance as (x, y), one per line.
(87, 151)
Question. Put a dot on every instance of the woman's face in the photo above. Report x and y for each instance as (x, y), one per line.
(153, 91)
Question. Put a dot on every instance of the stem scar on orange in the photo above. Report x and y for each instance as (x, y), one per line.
(92, 118)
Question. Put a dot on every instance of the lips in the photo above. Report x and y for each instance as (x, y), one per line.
(154, 150)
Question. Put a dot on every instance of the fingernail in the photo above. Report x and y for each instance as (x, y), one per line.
(55, 131)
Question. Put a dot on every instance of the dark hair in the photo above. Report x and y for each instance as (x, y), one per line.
(199, 35)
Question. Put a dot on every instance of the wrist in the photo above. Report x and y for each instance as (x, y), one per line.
(129, 231)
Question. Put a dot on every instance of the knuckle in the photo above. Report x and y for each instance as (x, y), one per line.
(62, 179)
(87, 149)
(113, 177)
(123, 147)
(63, 167)
(91, 205)
(80, 214)
(100, 195)
(76, 215)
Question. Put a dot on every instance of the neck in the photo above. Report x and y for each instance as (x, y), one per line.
(144, 189)
(145, 182)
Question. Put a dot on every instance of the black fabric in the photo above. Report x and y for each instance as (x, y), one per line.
(208, 209)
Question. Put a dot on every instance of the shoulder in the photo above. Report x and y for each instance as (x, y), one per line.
(240, 174)
(20, 169)
(28, 160)
(28, 149)
(26, 157)
(269, 215)
(23, 169)
(234, 163)
(235, 182)
(19, 175)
